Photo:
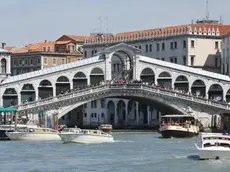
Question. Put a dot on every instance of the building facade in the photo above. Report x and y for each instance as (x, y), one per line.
(196, 45)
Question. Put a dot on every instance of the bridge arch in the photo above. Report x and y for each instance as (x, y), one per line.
(28, 93)
(10, 97)
(62, 85)
(96, 76)
(182, 83)
(45, 89)
(111, 112)
(79, 80)
(165, 79)
(215, 92)
(198, 88)
(147, 75)
(227, 97)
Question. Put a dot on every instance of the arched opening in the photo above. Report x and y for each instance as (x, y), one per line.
(3, 65)
(62, 85)
(10, 97)
(143, 114)
(79, 80)
(132, 112)
(27, 93)
(96, 76)
(198, 88)
(228, 96)
(45, 89)
(147, 75)
(117, 66)
(111, 112)
(121, 112)
(164, 80)
(182, 83)
(215, 92)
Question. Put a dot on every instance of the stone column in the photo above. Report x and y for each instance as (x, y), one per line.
(137, 113)
(115, 114)
(126, 113)
(19, 98)
(71, 85)
(54, 91)
(149, 115)
(36, 94)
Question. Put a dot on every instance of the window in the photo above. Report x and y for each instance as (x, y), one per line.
(102, 115)
(163, 46)
(158, 47)
(146, 48)
(171, 45)
(150, 47)
(69, 60)
(175, 45)
(216, 45)
(163, 59)
(54, 61)
(85, 54)
(94, 104)
(184, 44)
(48, 49)
(184, 60)
(39, 61)
(44, 48)
(95, 51)
(15, 62)
(20, 61)
(85, 105)
(95, 115)
(192, 43)
(92, 52)
(140, 47)
(91, 115)
(171, 60)
(175, 60)
(62, 61)
(216, 62)
(85, 115)
(192, 60)
(102, 103)
(31, 61)
(45, 60)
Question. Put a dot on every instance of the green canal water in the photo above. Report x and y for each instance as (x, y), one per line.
(131, 152)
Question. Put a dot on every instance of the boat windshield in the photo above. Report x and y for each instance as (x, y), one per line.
(177, 120)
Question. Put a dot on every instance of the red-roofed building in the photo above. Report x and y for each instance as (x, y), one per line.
(196, 45)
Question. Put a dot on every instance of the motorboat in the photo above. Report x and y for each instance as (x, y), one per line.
(213, 146)
(77, 135)
(107, 128)
(10, 127)
(178, 126)
(27, 133)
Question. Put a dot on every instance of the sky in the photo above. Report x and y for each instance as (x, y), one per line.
(32, 21)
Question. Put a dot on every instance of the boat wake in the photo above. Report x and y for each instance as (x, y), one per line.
(123, 141)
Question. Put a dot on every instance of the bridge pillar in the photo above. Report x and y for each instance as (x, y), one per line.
(36, 95)
(71, 85)
(126, 113)
(137, 113)
(115, 114)
(149, 115)
(54, 91)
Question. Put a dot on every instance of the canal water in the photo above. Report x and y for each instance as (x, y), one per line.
(131, 152)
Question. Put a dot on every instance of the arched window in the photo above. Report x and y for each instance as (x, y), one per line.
(3, 65)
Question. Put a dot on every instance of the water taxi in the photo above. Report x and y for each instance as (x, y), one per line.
(77, 135)
(213, 146)
(107, 128)
(33, 134)
(178, 126)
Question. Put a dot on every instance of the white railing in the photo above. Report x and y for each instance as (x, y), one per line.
(134, 86)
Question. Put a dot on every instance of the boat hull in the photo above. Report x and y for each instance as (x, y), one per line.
(32, 136)
(84, 138)
(177, 134)
(208, 154)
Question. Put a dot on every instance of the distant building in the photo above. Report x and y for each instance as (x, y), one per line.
(43, 55)
(226, 55)
(5, 62)
(196, 45)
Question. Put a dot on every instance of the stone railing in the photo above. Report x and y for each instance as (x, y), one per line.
(133, 86)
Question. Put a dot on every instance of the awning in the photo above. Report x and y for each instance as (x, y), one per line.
(8, 109)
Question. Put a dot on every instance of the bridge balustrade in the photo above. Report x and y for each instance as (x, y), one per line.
(98, 88)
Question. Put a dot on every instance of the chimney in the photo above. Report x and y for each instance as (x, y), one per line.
(45, 41)
(3, 45)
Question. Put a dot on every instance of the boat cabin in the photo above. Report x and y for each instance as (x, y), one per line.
(215, 140)
(177, 120)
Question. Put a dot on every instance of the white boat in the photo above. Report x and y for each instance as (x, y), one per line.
(214, 146)
(178, 126)
(107, 128)
(77, 135)
(33, 134)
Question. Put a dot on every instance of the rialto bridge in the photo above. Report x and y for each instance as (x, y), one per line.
(61, 89)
